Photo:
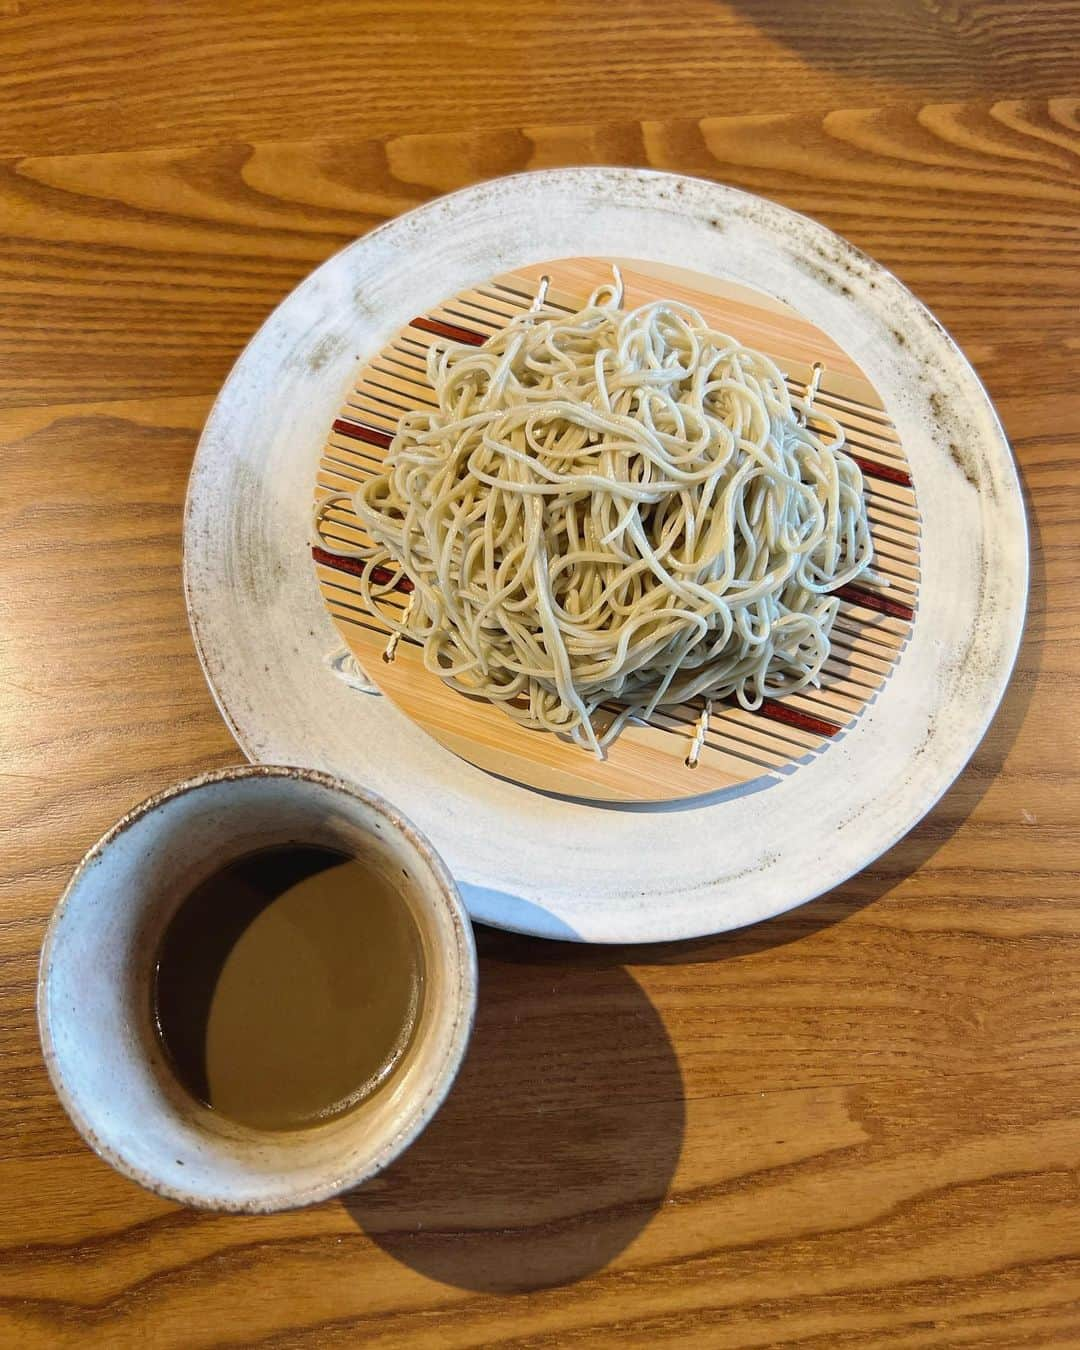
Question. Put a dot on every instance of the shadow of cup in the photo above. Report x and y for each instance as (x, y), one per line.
(558, 1142)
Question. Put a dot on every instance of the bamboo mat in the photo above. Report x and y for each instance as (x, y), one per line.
(686, 750)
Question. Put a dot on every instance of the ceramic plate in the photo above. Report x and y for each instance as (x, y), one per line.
(532, 861)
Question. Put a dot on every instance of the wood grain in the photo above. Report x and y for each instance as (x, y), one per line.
(853, 1126)
(136, 73)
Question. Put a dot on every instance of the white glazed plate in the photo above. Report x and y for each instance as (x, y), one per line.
(537, 863)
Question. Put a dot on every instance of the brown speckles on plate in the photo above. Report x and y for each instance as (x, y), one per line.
(325, 350)
(963, 462)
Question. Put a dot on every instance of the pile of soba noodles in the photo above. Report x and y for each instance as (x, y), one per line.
(613, 510)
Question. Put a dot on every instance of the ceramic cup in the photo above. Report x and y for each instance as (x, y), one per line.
(94, 991)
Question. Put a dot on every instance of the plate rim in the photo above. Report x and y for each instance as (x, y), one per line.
(642, 190)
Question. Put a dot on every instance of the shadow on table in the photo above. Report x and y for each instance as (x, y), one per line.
(559, 1139)
(904, 42)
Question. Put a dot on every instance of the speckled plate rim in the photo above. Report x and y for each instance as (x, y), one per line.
(530, 862)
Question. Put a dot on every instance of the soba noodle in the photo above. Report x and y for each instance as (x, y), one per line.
(613, 508)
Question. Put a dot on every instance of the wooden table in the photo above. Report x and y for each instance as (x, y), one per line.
(854, 1125)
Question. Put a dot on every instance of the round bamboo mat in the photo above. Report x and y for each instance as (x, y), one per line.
(687, 750)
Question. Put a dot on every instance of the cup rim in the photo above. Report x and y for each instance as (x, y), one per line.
(441, 1079)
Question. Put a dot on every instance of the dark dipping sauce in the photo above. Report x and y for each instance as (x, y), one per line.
(287, 987)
